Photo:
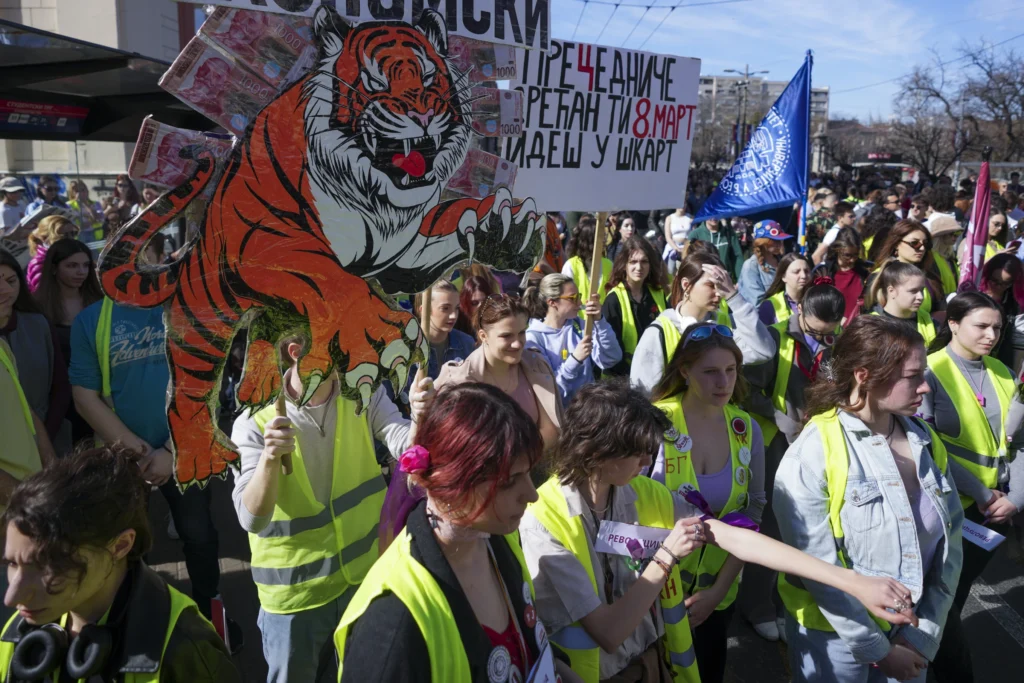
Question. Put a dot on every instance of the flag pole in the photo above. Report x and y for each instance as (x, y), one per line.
(802, 230)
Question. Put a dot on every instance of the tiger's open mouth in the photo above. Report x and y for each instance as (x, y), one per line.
(407, 162)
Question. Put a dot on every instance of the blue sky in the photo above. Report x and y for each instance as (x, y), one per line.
(855, 42)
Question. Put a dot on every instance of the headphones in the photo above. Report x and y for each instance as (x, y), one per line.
(43, 648)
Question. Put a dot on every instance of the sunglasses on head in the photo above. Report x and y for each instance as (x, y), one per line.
(703, 331)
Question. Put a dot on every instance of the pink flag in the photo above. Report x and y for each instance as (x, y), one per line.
(977, 234)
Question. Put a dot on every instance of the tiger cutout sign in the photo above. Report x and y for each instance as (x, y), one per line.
(328, 205)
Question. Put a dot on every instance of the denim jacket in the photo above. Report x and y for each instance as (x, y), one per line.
(879, 528)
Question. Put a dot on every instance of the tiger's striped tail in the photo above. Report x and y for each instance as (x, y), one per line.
(123, 278)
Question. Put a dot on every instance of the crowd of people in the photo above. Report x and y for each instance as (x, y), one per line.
(588, 483)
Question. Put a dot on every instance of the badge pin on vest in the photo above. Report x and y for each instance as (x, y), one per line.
(530, 616)
(684, 443)
(741, 476)
(672, 434)
(541, 636)
(744, 456)
(498, 664)
(527, 598)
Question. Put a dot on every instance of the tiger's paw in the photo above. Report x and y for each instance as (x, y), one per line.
(393, 364)
(261, 379)
(508, 236)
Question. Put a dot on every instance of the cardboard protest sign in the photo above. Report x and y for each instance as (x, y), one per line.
(524, 23)
(606, 128)
(329, 204)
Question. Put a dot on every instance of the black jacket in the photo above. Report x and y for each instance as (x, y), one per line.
(386, 644)
(139, 618)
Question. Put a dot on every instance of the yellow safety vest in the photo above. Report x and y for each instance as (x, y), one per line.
(866, 245)
(179, 603)
(699, 570)
(781, 306)
(8, 362)
(630, 335)
(975, 447)
(671, 337)
(925, 324)
(399, 573)
(655, 508)
(946, 275)
(724, 317)
(309, 554)
(990, 250)
(582, 278)
(786, 358)
(798, 600)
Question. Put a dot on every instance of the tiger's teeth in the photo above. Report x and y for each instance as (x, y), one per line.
(437, 141)
(407, 143)
(405, 180)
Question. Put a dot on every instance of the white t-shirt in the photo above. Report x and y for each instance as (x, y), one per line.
(831, 235)
(679, 226)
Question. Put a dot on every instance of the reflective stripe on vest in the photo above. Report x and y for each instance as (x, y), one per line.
(310, 554)
(797, 599)
(103, 327)
(582, 278)
(946, 276)
(179, 603)
(631, 335)
(654, 508)
(8, 362)
(975, 447)
(781, 306)
(679, 474)
(400, 574)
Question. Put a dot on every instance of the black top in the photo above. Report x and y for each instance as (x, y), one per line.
(138, 620)
(385, 644)
(644, 314)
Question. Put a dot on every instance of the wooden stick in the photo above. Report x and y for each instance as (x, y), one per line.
(281, 407)
(421, 372)
(595, 268)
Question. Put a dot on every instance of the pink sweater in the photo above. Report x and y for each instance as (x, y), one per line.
(34, 270)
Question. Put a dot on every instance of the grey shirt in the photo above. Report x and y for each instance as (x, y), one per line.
(939, 410)
(315, 426)
(564, 594)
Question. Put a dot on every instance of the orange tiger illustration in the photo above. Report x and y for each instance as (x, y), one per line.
(336, 182)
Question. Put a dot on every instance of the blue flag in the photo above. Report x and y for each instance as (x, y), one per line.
(772, 170)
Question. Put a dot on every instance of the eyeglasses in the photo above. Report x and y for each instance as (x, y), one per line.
(916, 245)
(918, 207)
(703, 331)
(828, 338)
(570, 297)
(998, 224)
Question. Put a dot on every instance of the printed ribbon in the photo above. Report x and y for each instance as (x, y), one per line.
(736, 519)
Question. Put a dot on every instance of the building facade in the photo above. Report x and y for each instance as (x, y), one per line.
(722, 97)
(151, 28)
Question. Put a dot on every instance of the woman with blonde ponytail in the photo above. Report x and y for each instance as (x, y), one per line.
(557, 332)
(899, 292)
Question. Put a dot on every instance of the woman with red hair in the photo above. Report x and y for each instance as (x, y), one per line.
(451, 599)
(474, 290)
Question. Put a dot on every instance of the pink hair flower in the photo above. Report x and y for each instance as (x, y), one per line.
(414, 460)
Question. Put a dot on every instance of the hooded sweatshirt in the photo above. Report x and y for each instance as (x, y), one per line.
(557, 346)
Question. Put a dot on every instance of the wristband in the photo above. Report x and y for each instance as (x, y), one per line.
(661, 563)
(670, 553)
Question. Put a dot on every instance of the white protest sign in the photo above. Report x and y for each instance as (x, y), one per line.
(982, 536)
(606, 128)
(618, 538)
(525, 23)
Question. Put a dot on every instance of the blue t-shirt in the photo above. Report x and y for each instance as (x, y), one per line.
(138, 366)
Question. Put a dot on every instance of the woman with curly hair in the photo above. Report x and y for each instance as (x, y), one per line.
(86, 603)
